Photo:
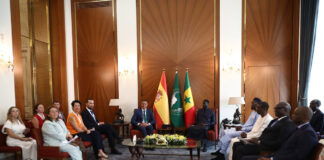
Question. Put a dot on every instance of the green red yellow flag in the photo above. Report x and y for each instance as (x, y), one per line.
(188, 103)
(177, 117)
(161, 104)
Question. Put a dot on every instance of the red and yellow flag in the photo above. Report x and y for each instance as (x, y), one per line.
(188, 104)
(161, 105)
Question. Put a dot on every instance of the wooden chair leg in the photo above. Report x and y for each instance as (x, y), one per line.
(18, 155)
(84, 155)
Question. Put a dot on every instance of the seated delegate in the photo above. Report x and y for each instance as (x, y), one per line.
(247, 127)
(76, 127)
(205, 120)
(39, 116)
(90, 121)
(300, 144)
(143, 119)
(55, 133)
(16, 131)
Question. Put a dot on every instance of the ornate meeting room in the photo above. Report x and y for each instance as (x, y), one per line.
(161, 79)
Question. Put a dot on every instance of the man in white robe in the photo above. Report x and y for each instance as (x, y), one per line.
(261, 123)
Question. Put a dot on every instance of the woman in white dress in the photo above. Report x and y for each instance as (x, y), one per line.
(55, 133)
(16, 131)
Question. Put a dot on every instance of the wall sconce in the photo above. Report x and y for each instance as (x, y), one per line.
(126, 66)
(5, 58)
(230, 62)
(231, 68)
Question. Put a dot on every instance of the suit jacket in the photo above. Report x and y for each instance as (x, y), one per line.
(206, 116)
(317, 121)
(274, 136)
(88, 120)
(299, 145)
(61, 116)
(54, 133)
(138, 117)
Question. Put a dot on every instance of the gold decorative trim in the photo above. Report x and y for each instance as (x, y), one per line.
(215, 18)
(141, 45)
(33, 63)
(32, 49)
(215, 58)
(113, 15)
(76, 51)
(243, 73)
(95, 1)
(49, 52)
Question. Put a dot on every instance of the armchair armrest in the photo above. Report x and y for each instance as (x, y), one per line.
(49, 151)
(216, 124)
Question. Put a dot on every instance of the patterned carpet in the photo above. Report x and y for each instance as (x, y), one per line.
(126, 154)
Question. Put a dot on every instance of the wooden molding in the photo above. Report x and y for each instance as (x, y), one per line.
(57, 30)
(95, 60)
(295, 55)
(17, 56)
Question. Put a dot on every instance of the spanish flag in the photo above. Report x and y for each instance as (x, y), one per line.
(161, 105)
(188, 103)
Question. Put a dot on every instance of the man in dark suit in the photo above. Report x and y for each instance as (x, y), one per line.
(205, 120)
(317, 121)
(90, 121)
(300, 144)
(143, 119)
(271, 138)
(57, 105)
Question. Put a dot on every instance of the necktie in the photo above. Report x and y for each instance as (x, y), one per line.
(145, 120)
(94, 117)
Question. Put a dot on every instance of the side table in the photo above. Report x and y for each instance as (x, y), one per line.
(124, 126)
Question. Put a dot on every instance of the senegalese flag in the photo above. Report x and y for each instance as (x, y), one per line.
(177, 117)
(188, 103)
(161, 105)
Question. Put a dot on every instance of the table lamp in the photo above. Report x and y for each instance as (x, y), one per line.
(120, 116)
(236, 101)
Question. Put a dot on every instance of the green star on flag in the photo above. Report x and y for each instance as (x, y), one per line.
(187, 99)
(188, 105)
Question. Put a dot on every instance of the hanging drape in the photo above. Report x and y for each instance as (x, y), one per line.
(309, 12)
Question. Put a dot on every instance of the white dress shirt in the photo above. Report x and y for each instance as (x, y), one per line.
(259, 126)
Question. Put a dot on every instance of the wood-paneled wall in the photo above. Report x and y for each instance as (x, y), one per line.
(58, 53)
(56, 13)
(17, 56)
(269, 45)
(41, 53)
(176, 35)
(95, 55)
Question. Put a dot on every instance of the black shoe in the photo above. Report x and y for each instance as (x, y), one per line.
(115, 151)
(216, 153)
(119, 140)
(204, 149)
(220, 157)
(149, 149)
